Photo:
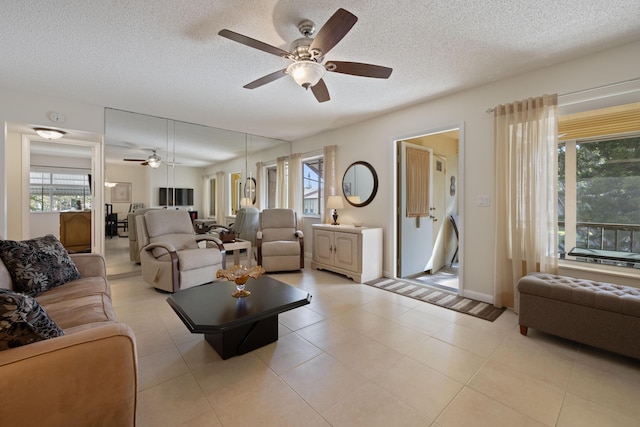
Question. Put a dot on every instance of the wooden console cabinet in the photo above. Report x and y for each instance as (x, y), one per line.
(75, 231)
(355, 252)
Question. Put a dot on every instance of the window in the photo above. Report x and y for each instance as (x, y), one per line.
(599, 195)
(54, 191)
(312, 185)
(312, 170)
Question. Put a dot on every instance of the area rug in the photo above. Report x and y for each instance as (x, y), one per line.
(438, 297)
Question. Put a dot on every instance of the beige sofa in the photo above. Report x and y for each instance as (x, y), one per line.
(87, 376)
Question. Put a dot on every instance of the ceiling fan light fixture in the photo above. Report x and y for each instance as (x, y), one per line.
(49, 134)
(154, 161)
(306, 73)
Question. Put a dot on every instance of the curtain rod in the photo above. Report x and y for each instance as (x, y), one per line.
(577, 92)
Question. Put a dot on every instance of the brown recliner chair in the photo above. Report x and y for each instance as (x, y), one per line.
(170, 255)
(279, 242)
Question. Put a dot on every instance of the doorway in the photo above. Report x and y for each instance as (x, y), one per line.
(427, 245)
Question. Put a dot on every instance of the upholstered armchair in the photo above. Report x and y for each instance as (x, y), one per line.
(170, 256)
(134, 250)
(279, 243)
(245, 226)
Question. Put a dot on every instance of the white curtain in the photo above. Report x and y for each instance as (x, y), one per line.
(526, 191)
(281, 181)
(296, 196)
(220, 197)
(329, 176)
(206, 203)
(259, 187)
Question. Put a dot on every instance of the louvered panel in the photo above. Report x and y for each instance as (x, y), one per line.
(606, 121)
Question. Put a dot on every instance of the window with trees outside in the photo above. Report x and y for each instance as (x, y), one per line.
(55, 191)
(599, 196)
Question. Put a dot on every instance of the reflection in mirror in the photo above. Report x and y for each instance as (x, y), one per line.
(360, 184)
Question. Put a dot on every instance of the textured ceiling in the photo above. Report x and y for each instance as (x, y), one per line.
(165, 58)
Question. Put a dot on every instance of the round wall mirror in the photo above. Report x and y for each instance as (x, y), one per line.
(360, 184)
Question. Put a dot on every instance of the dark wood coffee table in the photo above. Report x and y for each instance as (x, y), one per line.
(235, 326)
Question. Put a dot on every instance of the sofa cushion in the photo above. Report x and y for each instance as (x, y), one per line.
(38, 264)
(23, 321)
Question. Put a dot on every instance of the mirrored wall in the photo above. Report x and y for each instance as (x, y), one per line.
(158, 162)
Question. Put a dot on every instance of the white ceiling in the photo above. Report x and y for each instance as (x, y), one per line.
(165, 58)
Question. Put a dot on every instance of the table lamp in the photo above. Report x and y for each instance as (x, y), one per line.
(335, 203)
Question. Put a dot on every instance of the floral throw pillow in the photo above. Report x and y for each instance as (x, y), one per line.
(23, 321)
(38, 264)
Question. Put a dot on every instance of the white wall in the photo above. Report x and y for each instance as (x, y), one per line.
(19, 107)
(372, 141)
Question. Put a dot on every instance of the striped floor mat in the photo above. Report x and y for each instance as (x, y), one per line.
(438, 297)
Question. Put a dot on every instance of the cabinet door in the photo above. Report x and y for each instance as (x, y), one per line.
(323, 246)
(346, 251)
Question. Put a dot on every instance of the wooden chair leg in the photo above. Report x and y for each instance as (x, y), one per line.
(524, 330)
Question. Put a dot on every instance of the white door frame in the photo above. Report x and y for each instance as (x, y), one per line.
(97, 182)
(460, 185)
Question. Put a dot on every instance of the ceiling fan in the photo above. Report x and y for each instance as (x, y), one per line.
(308, 54)
(153, 160)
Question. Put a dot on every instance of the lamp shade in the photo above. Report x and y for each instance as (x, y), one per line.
(335, 202)
(354, 200)
(306, 73)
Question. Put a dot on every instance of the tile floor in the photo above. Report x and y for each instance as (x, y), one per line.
(360, 356)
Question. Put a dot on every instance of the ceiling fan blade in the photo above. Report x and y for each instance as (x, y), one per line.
(256, 44)
(320, 91)
(134, 160)
(333, 31)
(266, 79)
(359, 69)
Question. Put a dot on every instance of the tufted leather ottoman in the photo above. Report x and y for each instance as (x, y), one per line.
(599, 314)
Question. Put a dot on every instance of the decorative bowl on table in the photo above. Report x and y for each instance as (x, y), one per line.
(240, 274)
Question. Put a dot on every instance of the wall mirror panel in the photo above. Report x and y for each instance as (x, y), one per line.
(360, 184)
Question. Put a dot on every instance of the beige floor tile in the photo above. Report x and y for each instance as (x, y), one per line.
(268, 402)
(419, 386)
(542, 366)
(171, 403)
(471, 408)
(328, 306)
(538, 399)
(299, 318)
(287, 353)
(160, 367)
(481, 343)
(357, 369)
(199, 353)
(448, 359)
(422, 322)
(326, 333)
(579, 412)
(616, 391)
(397, 337)
(222, 381)
(208, 419)
(371, 406)
(359, 320)
(386, 309)
(324, 381)
(365, 356)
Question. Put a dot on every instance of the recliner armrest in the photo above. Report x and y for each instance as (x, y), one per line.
(299, 234)
(166, 246)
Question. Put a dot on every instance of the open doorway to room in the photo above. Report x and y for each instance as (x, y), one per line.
(427, 209)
